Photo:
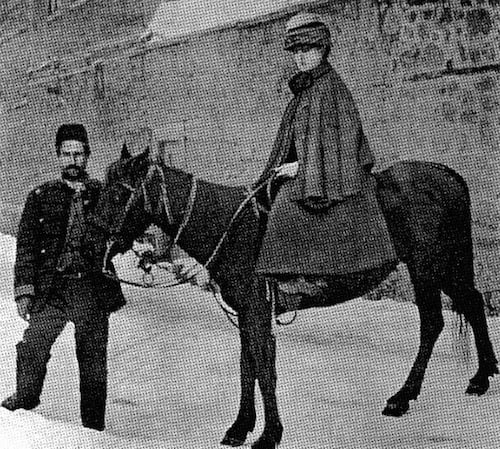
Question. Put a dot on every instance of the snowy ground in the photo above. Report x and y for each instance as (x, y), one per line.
(174, 379)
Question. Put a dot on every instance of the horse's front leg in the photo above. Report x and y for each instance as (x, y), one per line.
(245, 421)
(266, 374)
(263, 348)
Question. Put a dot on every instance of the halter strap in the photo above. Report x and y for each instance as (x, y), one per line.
(127, 186)
(164, 197)
(187, 211)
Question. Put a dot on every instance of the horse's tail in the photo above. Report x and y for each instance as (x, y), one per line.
(460, 270)
(456, 235)
(443, 193)
(456, 232)
(449, 189)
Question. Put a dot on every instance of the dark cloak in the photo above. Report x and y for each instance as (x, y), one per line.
(326, 220)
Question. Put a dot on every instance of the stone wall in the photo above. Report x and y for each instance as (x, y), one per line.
(424, 74)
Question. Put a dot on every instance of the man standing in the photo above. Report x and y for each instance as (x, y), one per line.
(56, 281)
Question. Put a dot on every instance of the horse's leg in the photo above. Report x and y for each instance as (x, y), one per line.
(428, 299)
(263, 349)
(469, 301)
(245, 421)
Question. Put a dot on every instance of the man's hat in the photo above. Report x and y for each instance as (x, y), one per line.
(306, 28)
(72, 131)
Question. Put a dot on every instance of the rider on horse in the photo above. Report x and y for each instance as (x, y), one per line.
(325, 219)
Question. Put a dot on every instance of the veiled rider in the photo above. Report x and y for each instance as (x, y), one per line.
(325, 219)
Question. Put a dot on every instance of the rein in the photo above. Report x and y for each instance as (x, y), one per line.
(187, 215)
(212, 287)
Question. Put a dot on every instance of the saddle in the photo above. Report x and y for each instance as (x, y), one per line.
(297, 293)
(301, 285)
(301, 292)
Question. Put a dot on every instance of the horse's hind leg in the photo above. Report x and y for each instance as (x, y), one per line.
(245, 421)
(428, 299)
(469, 302)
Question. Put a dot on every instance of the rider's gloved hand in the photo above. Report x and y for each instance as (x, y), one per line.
(23, 304)
(288, 170)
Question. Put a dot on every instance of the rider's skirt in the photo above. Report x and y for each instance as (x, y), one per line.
(351, 236)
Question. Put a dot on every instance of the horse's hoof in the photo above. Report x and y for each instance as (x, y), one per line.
(270, 439)
(265, 443)
(478, 387)
(396, 410)
(232, 441)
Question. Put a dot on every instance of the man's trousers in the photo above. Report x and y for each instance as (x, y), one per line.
(77, 304)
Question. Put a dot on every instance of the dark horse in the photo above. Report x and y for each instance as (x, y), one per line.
(427, 209)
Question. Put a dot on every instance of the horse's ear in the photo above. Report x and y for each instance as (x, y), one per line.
(147, 152)
(125, 154)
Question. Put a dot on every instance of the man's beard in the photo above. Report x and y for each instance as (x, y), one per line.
(73, 173)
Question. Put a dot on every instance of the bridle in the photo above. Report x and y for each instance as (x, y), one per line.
(135, 194)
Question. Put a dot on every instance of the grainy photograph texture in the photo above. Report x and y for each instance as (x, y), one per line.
(266, 223)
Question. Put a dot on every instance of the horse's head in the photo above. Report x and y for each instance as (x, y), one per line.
(139, 191)
(120, 212)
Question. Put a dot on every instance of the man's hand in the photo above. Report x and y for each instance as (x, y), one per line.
(288, 170)
(141, 247)
(23, 306)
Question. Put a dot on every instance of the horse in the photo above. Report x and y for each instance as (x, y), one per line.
(427, 210)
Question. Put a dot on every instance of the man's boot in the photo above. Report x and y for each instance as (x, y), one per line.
(30, 375)
(93, 404)
(14, 402)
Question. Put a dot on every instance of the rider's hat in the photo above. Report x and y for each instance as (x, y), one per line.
(307, 28)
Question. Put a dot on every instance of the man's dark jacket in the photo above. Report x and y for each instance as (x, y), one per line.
(40, 241)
